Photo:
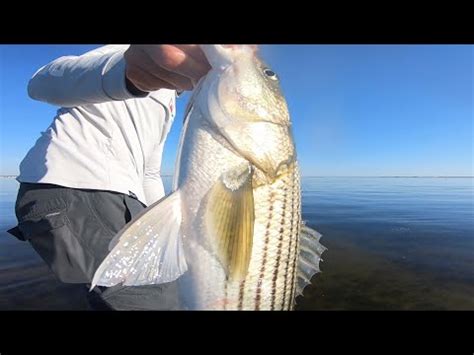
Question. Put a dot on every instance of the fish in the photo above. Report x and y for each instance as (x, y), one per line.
(231, 232)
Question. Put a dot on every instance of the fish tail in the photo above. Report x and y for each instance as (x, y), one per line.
(148, 250)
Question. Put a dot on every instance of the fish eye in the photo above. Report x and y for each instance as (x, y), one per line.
(270, 74)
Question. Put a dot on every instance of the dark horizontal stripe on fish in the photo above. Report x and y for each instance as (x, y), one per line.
(225, 296)
(241, 295)
(295, 257)
(265, 251)
(280, 244)
(285, 297)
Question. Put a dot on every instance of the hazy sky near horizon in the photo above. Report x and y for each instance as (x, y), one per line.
(356, 109)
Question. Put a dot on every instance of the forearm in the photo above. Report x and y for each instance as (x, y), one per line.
(95, 77)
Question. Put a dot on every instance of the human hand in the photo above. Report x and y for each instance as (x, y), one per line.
(176, 67)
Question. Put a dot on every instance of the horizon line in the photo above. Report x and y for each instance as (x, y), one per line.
(335, 176)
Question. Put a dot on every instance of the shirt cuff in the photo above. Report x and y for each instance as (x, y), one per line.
(113, 79)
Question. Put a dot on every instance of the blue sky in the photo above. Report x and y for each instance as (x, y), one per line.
(357, 110)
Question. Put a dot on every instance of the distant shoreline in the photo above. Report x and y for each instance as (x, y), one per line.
(342, 176)
(393, 176)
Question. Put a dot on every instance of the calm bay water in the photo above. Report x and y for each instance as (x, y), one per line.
(393, 243)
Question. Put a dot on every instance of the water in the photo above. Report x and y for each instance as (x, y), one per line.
(394, 243)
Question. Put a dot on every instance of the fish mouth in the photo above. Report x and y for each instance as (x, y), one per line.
(217, 55)
(222, 55)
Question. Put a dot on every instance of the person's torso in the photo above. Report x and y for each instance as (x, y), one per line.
(102, 146)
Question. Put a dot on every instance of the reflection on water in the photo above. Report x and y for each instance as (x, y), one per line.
(394, 243)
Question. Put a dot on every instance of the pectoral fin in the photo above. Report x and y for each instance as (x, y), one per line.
(230, 220)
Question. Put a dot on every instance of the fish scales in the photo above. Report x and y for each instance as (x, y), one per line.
(276, 209)
(231, 232)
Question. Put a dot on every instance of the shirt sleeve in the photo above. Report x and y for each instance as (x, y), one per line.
(94, 77)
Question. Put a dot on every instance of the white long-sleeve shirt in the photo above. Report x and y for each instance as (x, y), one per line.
(102, 137)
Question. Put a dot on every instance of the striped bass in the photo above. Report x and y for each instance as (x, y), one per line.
(231, 231)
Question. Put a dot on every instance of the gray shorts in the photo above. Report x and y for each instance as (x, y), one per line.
(71, 229)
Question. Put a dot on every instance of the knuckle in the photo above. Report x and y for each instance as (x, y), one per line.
(132, 72)
(170, 57)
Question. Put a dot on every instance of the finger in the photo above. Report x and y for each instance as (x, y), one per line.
(148, 65)
(175, 60)
(195, 51)
(146, 82)
(179, 81)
